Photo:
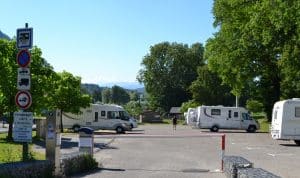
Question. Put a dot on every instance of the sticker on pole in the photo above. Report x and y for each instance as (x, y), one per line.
(24, 38)
(23, 58)
(23, 99)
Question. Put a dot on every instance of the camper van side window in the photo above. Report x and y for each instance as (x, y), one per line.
(113, 115)
(297, 111)
(275, 114)
(215, 112)
(96, 116)
(110, 115)
(102, 113)
(236, 114)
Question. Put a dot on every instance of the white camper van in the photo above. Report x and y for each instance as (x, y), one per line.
(220, 117)
(191, 117)
(99, 116)
(286, 120)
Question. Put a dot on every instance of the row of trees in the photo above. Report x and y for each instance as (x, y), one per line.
(254, 56)
(49, 89)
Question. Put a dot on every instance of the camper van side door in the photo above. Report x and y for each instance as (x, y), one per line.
(235, 121)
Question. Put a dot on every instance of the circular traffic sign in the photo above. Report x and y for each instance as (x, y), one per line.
(23, 58)
(23, 99)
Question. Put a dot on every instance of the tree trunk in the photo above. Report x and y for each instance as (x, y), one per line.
(61, 122)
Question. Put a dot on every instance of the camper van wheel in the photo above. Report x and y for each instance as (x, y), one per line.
(119, 130)
(297, 142)
(214, 128)
(76, 128)
(251, 129)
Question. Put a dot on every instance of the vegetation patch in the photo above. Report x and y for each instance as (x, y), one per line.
(12, 151)
(78, 164)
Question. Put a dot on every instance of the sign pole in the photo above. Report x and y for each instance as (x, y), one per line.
(23, 120)
(25, 155)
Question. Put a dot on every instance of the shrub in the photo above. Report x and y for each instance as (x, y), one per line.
(78, 163)
(254, 106)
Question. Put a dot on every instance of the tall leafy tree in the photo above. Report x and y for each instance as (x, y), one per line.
(41, 79)
(256, 45)
(168, 71)
(8, 79)
(67, 95)
(106, 95)
(208, 89)
(119, 95)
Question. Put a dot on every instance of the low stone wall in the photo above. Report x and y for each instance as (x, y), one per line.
(239, 167)
(233, 163)
(255, 173)
(30, 169)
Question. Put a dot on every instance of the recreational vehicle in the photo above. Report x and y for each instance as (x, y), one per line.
(286, 120)
(220, 117)
(100, 116)
(191, 117)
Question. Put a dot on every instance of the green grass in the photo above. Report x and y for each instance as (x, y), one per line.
(263, 121)
(12, 151)
(264, 125)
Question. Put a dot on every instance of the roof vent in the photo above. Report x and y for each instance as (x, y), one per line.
(296, 99)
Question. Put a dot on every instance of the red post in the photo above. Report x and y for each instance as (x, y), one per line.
(223, 152)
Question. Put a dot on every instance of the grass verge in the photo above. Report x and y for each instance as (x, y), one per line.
(12, 151)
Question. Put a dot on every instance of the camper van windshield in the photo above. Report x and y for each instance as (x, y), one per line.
(246, 116)
(124, 115)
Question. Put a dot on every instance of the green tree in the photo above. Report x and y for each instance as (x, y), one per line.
(189, 104)
(41, 80)
(67, 95)
(256, 45)
(208, 89)
(8, 78)
(106, 95)
(134, 96)
(119, 95)
(168, 71)
(134, 108)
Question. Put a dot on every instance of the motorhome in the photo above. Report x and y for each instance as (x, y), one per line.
(191, 117)
(220, 117)
(286, 120)
(100, 116)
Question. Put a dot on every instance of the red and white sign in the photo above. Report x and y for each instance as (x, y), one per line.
(23, 99)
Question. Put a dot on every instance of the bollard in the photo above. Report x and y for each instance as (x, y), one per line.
(86, 140)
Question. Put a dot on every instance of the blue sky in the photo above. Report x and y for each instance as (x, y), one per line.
(105, 40)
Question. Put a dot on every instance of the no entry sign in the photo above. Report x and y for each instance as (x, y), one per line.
(23, 99)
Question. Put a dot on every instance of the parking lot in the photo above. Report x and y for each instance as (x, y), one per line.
(191, 157)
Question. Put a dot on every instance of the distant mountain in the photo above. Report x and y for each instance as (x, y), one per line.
(4, 36)
(91, 88)
(125, 85)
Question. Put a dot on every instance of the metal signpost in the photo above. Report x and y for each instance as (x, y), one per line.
(23, 121)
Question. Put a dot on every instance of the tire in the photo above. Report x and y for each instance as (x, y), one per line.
(76, 128)
(251, 129)
(119, 130)
(131, 126)
(297, 142)
(214, 128)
